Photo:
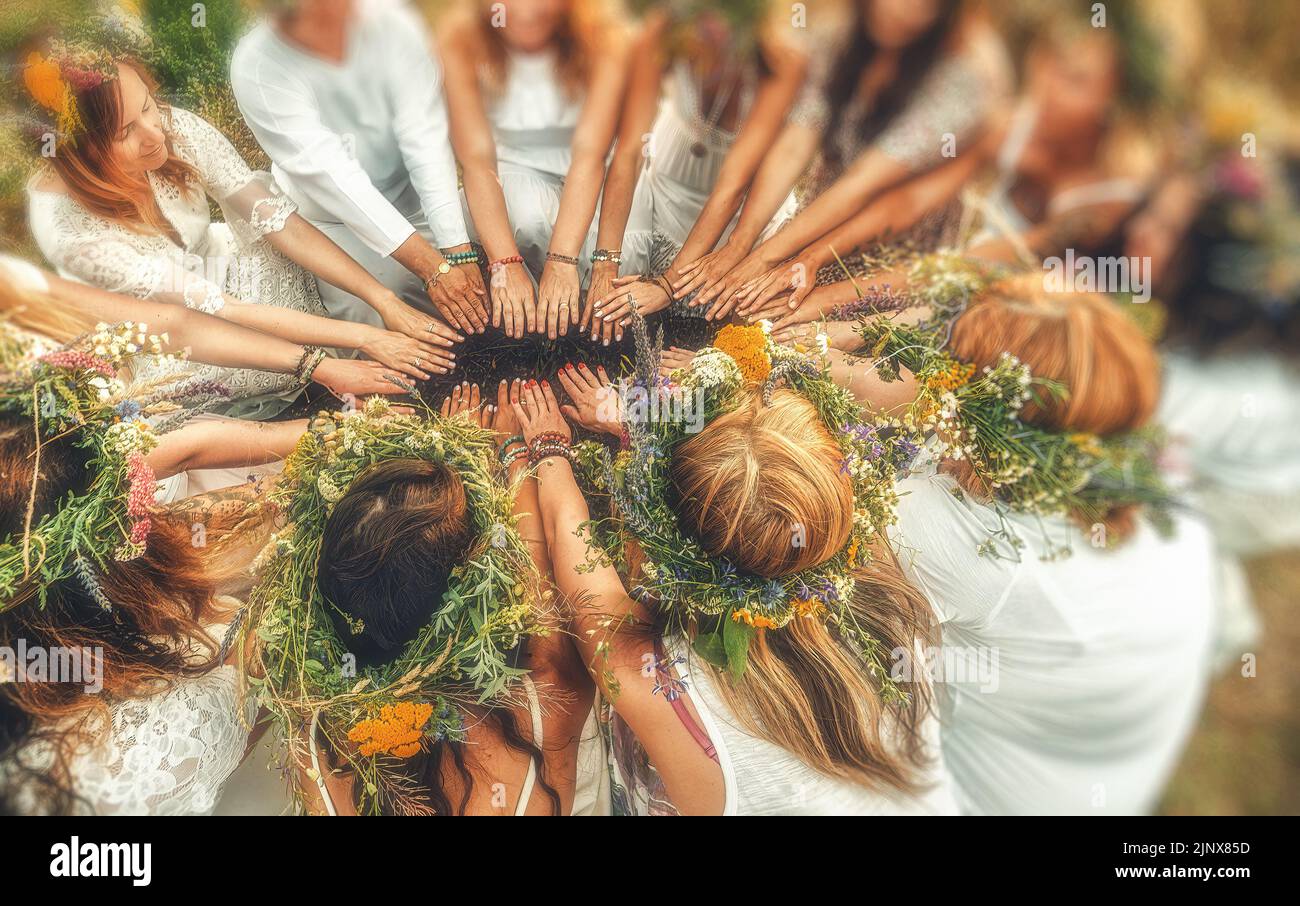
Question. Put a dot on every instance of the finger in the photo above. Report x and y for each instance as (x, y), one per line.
(548, 396)
(529, 302)
(696, 282)
(687, 269)
(436, 331)
(445, 408)
(503, 395)
(569, 412)
(588, 306)
(473, 401)
(601, 376)
(570, 385)
(515, 387)
(586, 376)
(497, 313)
(521, 416)
(552, 316)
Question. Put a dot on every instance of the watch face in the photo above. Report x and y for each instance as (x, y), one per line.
(444, 268)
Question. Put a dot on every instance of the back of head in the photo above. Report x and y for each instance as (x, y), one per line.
(1081, 340)
(388, 551)
(764, 487)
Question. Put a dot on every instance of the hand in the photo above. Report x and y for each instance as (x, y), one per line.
(557, 298)
(818, 304)
(722, 296)
(674, 358)
(356, 377)
(459, 301)
(603, 275)
(402, 318)
(596, 404)
(797, 277)
(513, 303)
(705, 271)
(505, 423)
(464, 398)
(539, 413)
(615, 310)
(841, 335)
(411, 357)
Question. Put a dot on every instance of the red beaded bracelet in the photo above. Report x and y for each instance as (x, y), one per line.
(502, 262)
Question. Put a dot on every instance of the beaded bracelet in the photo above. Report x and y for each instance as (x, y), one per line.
(502, 262)
(614, 256)
(561, 259)
(540, 451)
(516, 439)
(514, 456)
(311, 358)
(467, 257)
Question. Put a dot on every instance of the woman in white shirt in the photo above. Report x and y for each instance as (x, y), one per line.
(1098, 659)
(806, 729)
(123, 206)
(346, 98)
(533, 90)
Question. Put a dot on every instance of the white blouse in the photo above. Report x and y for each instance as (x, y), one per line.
(1095, 663)
(1235, 419)
(348, 139)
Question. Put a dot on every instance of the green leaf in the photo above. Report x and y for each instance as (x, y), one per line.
(709, 646)
(735, 639)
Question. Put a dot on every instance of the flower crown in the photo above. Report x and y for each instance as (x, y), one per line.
(725, 604)
(76, 389)
(974, 417)
(54, 79)
(461, 657)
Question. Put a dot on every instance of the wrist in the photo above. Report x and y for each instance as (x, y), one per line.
(385, 302)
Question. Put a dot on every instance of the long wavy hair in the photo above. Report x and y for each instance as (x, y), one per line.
(915, 63)
(576, 42)
(152, 636)
(1085, 342)
(92, 173)
(387, 554)
(740, 486)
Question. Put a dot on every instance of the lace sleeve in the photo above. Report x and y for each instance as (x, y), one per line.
(252, 202)
(117, 266)
(169, 753)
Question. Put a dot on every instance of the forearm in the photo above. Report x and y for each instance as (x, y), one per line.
(528, 512)
(224, 443)
(616, 200)
(578, 203)
(307, 246)
(488, 207)
(721, 206)
(300, 327)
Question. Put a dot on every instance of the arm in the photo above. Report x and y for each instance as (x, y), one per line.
(513, 301)
(602, 615)
(639, 107)
(558, 290)
(758, 133)
(224, 443)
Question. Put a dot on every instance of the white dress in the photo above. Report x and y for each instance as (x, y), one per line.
(165, 754)
(1096, 663)
(360, 145)
(533, 119)
(683, 159)
(213, 258)
(760, 777)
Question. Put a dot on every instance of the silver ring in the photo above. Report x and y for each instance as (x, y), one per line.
(418, 361)
(429, 329)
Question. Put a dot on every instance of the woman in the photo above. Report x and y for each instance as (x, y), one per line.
(726, 90)
(912, 84)
(1099, 620)
(152, 722)
(802, 726)
(393, 549)
(533, 96)
(123, 205)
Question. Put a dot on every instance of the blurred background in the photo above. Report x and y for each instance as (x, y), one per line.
(1245, 756)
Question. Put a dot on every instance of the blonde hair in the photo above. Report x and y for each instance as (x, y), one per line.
(1084, 341)
(747, 484)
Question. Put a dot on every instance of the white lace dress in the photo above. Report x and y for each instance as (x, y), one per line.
(211, 261)
(166, 754)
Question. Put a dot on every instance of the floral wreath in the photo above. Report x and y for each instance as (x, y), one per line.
(975, 417)
(726, 605)
(76, 389)
(461, 657)
(54, 78)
